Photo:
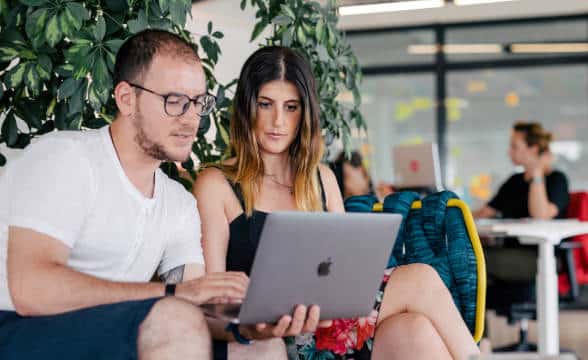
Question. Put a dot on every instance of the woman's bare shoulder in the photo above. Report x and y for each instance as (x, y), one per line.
(327, 174)
(210, 182)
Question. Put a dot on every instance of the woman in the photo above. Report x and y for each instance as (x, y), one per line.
(539, 192)
(351, 175)
(277, 147)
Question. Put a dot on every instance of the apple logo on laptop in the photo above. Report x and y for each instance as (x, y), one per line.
(324, 268)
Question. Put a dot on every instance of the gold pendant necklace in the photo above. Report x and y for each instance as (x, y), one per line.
(273, 179)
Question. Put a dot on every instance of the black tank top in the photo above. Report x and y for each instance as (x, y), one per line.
(244, 233)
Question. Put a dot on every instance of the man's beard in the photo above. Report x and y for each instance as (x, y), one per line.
(150, 147)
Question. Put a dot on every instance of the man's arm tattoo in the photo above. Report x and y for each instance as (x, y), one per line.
(174, 276)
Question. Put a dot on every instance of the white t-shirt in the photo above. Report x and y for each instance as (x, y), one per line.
(71, 186)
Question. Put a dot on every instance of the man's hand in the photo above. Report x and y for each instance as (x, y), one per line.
(302, 321)
(220, 287)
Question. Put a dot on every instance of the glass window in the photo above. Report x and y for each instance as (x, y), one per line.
(397, 109)
(391, 48)
(508, 38)
(482, 107)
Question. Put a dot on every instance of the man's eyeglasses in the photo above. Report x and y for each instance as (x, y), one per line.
(176, 104)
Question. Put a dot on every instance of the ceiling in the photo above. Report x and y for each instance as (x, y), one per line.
(455, 14)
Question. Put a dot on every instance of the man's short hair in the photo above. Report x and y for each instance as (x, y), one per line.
(136, 54)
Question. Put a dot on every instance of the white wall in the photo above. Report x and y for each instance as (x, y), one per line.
(452, 13)
(236, 24)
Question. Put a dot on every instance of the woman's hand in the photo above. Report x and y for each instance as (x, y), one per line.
(302, 321)
(541, 164)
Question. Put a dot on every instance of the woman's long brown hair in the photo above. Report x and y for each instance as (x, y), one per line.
(305, 153)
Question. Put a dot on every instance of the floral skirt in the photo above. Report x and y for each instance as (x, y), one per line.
(346, 339)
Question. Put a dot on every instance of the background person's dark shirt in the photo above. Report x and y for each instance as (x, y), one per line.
(512, 199)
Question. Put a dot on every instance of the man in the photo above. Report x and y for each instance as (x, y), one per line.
(86, 218)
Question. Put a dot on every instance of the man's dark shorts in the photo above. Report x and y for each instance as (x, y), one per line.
(102, 332)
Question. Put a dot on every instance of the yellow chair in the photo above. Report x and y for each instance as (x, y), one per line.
(443, 230)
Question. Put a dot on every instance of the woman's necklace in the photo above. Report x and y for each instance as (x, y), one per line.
(275, 181)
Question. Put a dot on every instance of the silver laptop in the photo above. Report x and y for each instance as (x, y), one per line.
(332, 260)
(417, 166)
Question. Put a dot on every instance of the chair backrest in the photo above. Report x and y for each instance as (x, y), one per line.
(439, 231)
(578, 209)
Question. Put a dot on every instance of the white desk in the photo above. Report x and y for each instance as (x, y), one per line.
(545, 234)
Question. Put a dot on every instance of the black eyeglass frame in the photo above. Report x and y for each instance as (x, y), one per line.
(187, 106)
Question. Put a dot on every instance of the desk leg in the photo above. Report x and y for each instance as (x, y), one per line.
(547, 300)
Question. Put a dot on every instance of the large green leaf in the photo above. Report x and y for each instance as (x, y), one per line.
(163, 5)
(76, 101)
(60, 115)
(31, 114)
(100, 73)
(258, 29)
(68, 87)
(210, 48)
(35, 23)
(287, 38)
(15, 76)
(78, 11)
(93, 98)
(44, 66)
(10, 130)
(177, 12)
(75, 122)
(139, 24)
(32, 79)
(2, 160)
(114, 44)
(287, 10)
(100, 29)
(8, 53)
(52, 31)
(110, 60)
(282, 20)
(66, 27)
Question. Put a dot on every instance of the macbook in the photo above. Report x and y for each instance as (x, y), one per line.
(334, 260)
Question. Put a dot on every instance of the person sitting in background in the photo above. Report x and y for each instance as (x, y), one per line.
(539, 192)
(277, 147)
(353, 178)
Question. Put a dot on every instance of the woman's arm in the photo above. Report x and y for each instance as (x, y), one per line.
(211, 189)
(485, 212)
(334, 199)
(539, 205)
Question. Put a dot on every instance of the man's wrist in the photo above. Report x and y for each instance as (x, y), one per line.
(170, 289)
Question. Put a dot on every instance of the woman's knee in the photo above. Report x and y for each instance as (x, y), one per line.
(408, 335)
(412, 327)
(425, 273)
(426, 280)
